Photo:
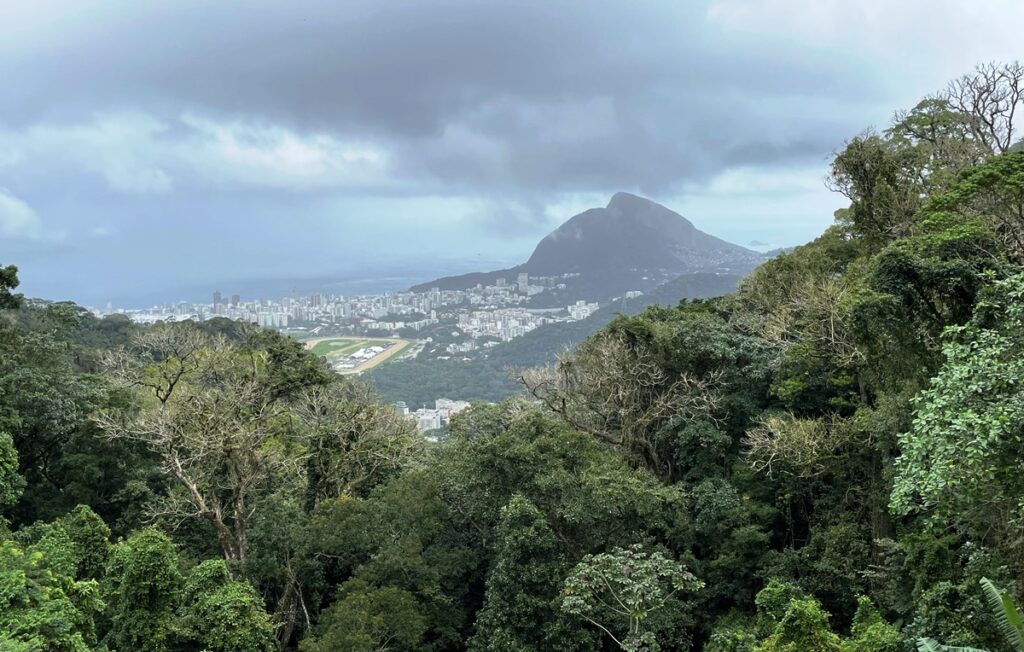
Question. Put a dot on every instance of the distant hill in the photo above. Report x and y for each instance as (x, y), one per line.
(631, 244)
(632, 233)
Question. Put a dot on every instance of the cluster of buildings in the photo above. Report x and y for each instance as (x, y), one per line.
(495, 310)
(487, 314)
(432, 419)
(502, 323)
(583, 309)
(353, 360)
(509, 323)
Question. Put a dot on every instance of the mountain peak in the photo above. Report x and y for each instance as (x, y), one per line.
(648, 213)
(630, 233)
(632, 242)
(625, 200)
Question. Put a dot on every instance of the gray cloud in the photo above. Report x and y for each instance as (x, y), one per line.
(511, 95)
(295, 131)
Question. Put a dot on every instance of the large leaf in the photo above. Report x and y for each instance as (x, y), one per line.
(1006, 614)
(930, 645)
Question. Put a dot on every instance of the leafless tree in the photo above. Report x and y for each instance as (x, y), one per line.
(812, 306)
(990, 96)
(617, 391)
(210, 418)
(804, 448)
(355, 441)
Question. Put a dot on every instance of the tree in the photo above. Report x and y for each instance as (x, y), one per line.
(11, 484)
(219, 614)
(44, 403)
(589, 496)
(216, 415)
(804, 448)
(803, 628)
(521, 610)
(141, 589)
(889, 176)
(870, 632)
(882, 181)
(402, 537)
(355, 442)
(91, 538)
(990, 96)
(614, 388)
(941, 139)
(42, 606)
(618, 592)
(992, 193)
(959, 461)
(8, 282)
(82, 537)
(790, 620)
(1005, 613)
(365, 619)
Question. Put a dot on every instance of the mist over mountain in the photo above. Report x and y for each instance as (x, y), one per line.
(633, 243)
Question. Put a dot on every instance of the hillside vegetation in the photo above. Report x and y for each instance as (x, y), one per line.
(828, 459)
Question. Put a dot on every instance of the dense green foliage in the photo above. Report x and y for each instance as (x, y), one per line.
(828, 459)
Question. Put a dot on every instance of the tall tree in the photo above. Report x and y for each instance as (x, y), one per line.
(355, 442)
(220, 614)
(141, 589)
(216, 415)
(991, 96)
(614, 388)
(367, 619)
(521, 610)
(960, 461)
(11, 484)
(42, 606)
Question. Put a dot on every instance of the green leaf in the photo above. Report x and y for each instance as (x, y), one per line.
(1006, 614)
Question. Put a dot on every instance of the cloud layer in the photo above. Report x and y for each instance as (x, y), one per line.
(298, 132)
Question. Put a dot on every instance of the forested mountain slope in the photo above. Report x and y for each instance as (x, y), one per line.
(828, 459)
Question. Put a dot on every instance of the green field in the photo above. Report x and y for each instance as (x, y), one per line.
(336, 349)
(339, 347)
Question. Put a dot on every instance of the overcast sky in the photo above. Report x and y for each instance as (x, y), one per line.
(166, 149)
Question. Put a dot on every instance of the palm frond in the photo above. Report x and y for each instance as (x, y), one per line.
(930, 645)
(1006, 614)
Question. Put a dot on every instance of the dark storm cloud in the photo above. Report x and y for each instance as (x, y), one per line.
(511, 96)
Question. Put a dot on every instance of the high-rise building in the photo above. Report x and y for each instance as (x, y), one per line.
(524, 280)
(217, 298)
(235, 299)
